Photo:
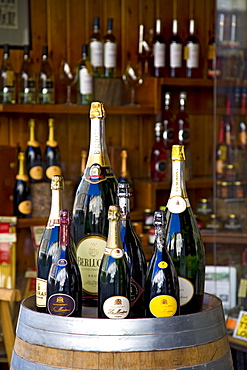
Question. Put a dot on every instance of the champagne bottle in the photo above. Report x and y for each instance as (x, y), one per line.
(64, 280)
(7, 81)
(169, 131)
(125, 176)
(162, 287)
(191, 52)
(49, 243)
(134, 254)
(159, 51)
(96, 49)
(110, 51)
(27, 83)
(96, 192)
(183, 238)
(175, 49)
(33, 155)
(22, 198)
(84, 79)
(114, 273)
(158, 155)
(46, 88)
(52, 154)
(182, 122)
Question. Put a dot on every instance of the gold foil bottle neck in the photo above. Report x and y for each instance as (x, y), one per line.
(178, 152)
(57, 182)
(97, 110)
(31, 122)
(21, 156)
(114, 213)
(51, 122)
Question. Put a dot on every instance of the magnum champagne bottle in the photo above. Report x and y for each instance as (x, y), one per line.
(96, 192)
(52, 154)
(64, 279)
(22, 199)
(33, 155)
(114, 273)
(162, 287)
(49, 243)
(134, 254)
(183, 238)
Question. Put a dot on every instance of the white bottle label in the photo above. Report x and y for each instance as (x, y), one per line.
(159, 55)
(116, 307)
(193, 57)
(86, 82)
(175, 55)
(41, 292)
(89, 254)
(110, 52)
(96, 53)
(186, 290)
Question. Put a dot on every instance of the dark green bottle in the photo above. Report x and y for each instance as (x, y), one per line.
(114, 273)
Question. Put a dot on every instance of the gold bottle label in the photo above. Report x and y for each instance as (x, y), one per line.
(163, 306)
(52, 171)
(41, 292)
(25, 207)
(36, 172)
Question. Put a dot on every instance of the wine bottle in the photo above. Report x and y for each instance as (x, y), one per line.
(229, 126)
(27, 83)
(242, 132)
(162, 286)
(7, 81)
(84, 79)
(46, 87)
(22, 198)
(159, 51)
(125, 176)
(114, 273)
(213, 61)
(52, 154)
(158, 155)
(110, 51)
(183, 238)
(49, 243)
(33, 155)
(96, 49)
(96, 192)
(191, 52)
(134, 253)
(64, 287)
(221, 152)
(182, 122)
(175, 49)
(169, 131)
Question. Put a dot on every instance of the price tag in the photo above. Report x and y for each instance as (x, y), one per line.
(240, 331)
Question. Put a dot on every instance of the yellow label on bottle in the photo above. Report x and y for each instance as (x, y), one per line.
(186, 290)
(41, 292)
(52, 171)
(10, 78)
(186, 52)
(36, 172)
(163, 306)
(211, 52)
(25, 207)
(162, 265)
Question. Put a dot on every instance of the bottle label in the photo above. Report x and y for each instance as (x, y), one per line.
(41, 292)
(115, 253)
(193, 56)
(86, 82)
(177, 204)
(135, 291)
(52, 171)
(159, 55)
(96, 53)
(10, 78)
(175, 55)
(25, 207)
(61, 304)
(163, 306)
(211, 52)
(186, 290)
(110, 51)
(36, 173)
(97, 173)
(116, 307)
(89, 254)
(160, 167)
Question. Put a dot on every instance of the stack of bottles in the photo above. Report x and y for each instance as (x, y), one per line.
(110, 270)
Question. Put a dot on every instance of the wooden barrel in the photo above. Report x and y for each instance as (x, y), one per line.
(197, 341)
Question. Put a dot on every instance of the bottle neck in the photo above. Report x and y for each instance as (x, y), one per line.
(222, 132)
(182, 104)
(64, 234)
(124, 204)
(124, 166)
(114, 238)
(175, 27)
(192, 27)
(21, 171)
(56, 206)
(51, 139)
(32, 133)
(98, 150)
(158, 27)
(159, 236)
(178, 188)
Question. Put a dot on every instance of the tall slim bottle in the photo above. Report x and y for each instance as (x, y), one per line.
(169, 131)
(52, 154)
(159, 48)
(96, 192)
(134, 254)
(96, 49)
(191, 52)
(27, 83)
(22, 198)
(182, 122)
(84, 79)
(33, 155)
(183, 238)
(7, 79)
(175, 50)
(64, 279)
(158, 163)
(46, 86)
(114, 273)
(162, 287)
(49, 243)
(110, 51)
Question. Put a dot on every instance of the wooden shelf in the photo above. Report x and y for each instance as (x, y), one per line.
(187, 82)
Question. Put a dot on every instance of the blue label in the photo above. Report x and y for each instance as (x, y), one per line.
(61, 304)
